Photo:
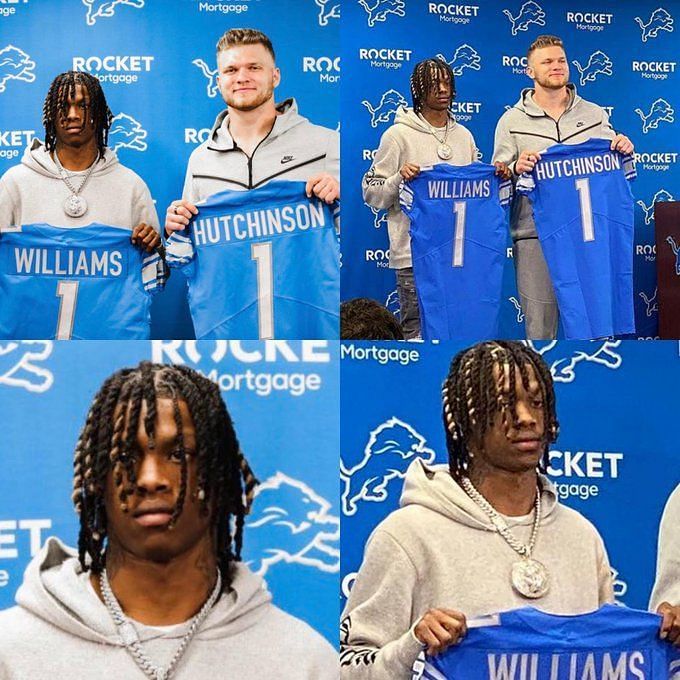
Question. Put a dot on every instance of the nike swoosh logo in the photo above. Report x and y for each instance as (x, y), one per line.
(287, 159)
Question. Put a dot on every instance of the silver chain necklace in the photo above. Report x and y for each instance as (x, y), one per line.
(444, 151)
(74, 205)
(130, 637)
(529, 577)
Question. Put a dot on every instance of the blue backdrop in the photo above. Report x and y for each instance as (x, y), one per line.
(615, 461)
(156, 61)
(284, 399)
(623, 56)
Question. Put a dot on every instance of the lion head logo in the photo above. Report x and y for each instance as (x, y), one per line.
(291, 523)
(127, 133)
(390, 449)
(15, 64)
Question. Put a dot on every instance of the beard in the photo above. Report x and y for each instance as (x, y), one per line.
(552, 83)
(240, 103)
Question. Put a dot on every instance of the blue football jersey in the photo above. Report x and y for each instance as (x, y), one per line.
(583, 210)
(458, 240)
(75, 283)
(261, 264)
(613, 643)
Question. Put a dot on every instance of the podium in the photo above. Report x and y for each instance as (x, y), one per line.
(667, 221)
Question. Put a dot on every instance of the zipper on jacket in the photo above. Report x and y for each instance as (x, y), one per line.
(250, 158)
(557, 122)
(557, 126)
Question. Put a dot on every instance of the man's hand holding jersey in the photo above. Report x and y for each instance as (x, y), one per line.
(146, 237)
(440, 628)
(622, 144)
(409, 171)
(670, 624)
(324, 186)
(178, 216)
(502, 170)
(526, 161)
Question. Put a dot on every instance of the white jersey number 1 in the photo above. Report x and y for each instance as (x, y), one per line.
(459, 209)
(68, 292)
(583, 188)
(262, 254)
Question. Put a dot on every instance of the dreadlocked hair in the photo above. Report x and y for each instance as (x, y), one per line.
(56, 104)
(107, 444)
(472, 396)
(426, 76)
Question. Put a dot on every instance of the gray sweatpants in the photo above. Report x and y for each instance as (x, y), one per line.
(535, 289)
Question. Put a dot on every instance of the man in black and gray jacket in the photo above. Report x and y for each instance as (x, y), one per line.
(256, 140)
(549, 113)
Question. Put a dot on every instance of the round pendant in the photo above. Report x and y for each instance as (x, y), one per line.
(530, 578)
(75, 206)
(444, 151)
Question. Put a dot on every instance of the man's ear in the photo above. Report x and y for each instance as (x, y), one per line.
(277, 76)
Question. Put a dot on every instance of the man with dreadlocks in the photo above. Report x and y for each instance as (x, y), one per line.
(483, 534)
(67, 191)
(74, 179)
(156, 588)
(425, 134)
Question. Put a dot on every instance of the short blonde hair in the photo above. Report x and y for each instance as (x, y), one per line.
(244, 36)
(544, 41)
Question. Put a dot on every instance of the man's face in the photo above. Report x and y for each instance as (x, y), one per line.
(510, 447)
(247, 76)
(439, 96)
(74, 125)
(548, 67)
(143, 531)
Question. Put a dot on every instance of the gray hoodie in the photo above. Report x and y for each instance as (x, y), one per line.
(667, 583)
(527, 127)
(295, 149)
(440, 550)
(409, 140)
(34, 192)
(61, 630)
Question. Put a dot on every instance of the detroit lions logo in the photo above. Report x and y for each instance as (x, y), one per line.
(386, 108)
(598, 63)
(529, 13)
(671, 241)
(381, 9)
(564, 357)
(328, 9)
(651, 303)
(213, 86)
(393, 305)
(127, 133)
(106, 8)
(661, 111)
(518, 307)
(15, 64)
(291, 523)
(660, 20)
(464, 57)
(19, 365)
(661, 195)
(390, 449)
(379, 217)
